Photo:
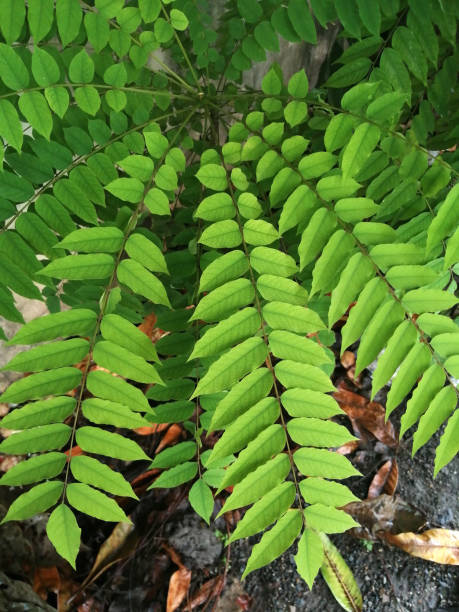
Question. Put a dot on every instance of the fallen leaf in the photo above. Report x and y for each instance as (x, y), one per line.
(76, 451)
(386, 479)
(143, 480)
(148, 324)
(178, 588)
(348, 448)
(46, 579)
(384, 514)
(173, 556)
(119, 544)
(9, 461)
(437, 545)
(209, 590)
(347, 359)
(170, 437)
(150, 430)
(367, 415)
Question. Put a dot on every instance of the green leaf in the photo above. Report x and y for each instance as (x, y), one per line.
(201, 499)
(259, 232)
(149, 10)
(338, 132)
(122, 361)
(294, 374)
(449, 444)
(370, 16)
(349, 74)
(223, 301)
(54, 410)
(275, 288)
(285, 181)
(438, 411)
(406, 44)
(163, 30)
(336, 187)
(36, 386)
(80, 267)
(37, 499)
(339, 578)
(232, 366)
(127, 335)
(103, 412)
(291, 317)
(361, 145)
(271, 83)
(146, 252)
(58, 100)
(212, 176)
(319, 433)
(295, 112)
(44, 68)
(307, 403)
(12, 69)
(10, 126)
(93, 240)
(445, 220)
(237, 327)
(136, 277)
(242, 396)
(73, 198)
(398, 346)
(175, 476)
(64, 533)
(228, 267)
(93, 472)
(57, 354)
(157, 202)
(386, 108)
(414, 364)
(349, 16)
(410, 277)
(302, 20)
(358, 271)
(79, 321)
(316, 164)
(323, 463)
(40, 15)
(68, 17)
(173, 456)
(104, 385)
(327, 519)
(222, 234)
(378, 331)
(81, 69)
(179, 20)
(216, 207)
(428, 300)
(34, 107)
(275, 542)
(95, 440)
(298, 84)
(94, 503)
(88, 99)
(166, 178)
(97, 29)
(309, 557)
(266, 260)
(320, 491)
(245, 428)
(126, 189)
(265, 511)
(41, 467)
(319, 229)
(266, 37)
(431, 382)
(287, 345)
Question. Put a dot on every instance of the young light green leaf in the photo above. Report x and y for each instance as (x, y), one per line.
(323, 463)
(122, 332)
(320, 491)
(80, 267)
(212, 176)
(95, 440)
(68, 17)
(327, 519)
(302, 376)
(275, 542)
(104, 412)
(136, 277)
(176, 476)
(35, 386)
(449, 444)
(222, 234)
(49, 356)
(44, 412)
(223, 301)
(291, 317)
(201, 499)
(174, 455)
(276, 288)
(147, 253)
(317, 432)
(93, 240)
(38, 499)
(216, 207)
(104, 385)
(122, 361)
(92, 472)
(41, 467)
(438, 411)
(64, 534)
(94, 503)
(126, 189)
(309, 557)
(428, 300)
(307, 403)
(228, 267)
(266, 260)
(287, 345)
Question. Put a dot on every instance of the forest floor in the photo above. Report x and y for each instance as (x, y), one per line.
(169, 554)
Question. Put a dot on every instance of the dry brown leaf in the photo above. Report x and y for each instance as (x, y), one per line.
(178, 588)
(170, 437)
(384, 514)
(348, 448)
(46, 579)
(437, 545)
(392, 479)
(367, 415)
(347, 359)
(173, 555)
(149, 430)
(119, 544)
(209, 590)
(379, 481)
